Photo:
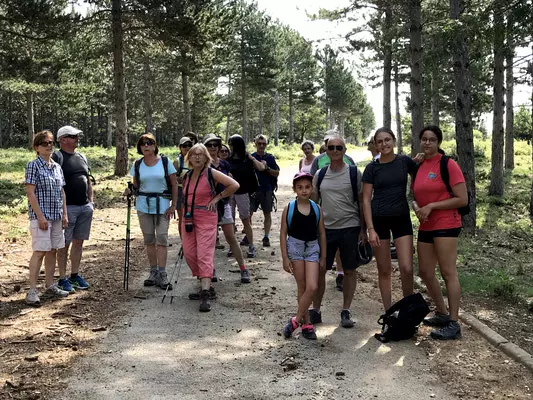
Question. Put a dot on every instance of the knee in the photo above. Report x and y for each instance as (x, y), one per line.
(162, 240)
(426, 274)
(406, 269)
(384, 272)
(149, 239)
(311, 288)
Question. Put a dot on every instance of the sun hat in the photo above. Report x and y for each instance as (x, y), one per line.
(68, 130)
(211, 137)
(185, 139)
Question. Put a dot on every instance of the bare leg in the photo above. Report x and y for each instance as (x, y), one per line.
(404, 249)
(268, 223)
(229, 234)
(161, 256)
(248, 229)
(427, 260)
(151, 253)
(62, 257)
(306, 275)
(49, 267)
(383, 261)
(36, 261)
(75, 255)
(350, 284)
(446, 249)
(321, 288)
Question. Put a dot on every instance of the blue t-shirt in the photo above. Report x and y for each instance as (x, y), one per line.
(264, 178)
(152, 180)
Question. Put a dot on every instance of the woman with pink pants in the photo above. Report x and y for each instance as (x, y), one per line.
(199, 223)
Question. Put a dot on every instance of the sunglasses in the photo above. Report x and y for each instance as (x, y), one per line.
(211, 144)
(71, 136)
(46, 144)
(186, 145)
(338, 148)
(148, 143)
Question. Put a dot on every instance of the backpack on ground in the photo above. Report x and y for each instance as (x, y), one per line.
(401, 320)
(445, 176)
(353, 180)
(292, 207)
(165, 161)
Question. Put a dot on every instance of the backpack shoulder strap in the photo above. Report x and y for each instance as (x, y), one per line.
(353, 181)
(444, 173)
(317, 211)
(290, 212)
(211, 180)
(164, 159)
(321, 175)
(181, 161)
(137, 167)
(58, 157)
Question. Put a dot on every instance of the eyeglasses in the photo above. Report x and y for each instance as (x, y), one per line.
(223, 151)
(261, 143)
(212, 144)
(148, 143)
(71, 136)
(428, 140)
(46, 144)
(338, 148)
(197, 155)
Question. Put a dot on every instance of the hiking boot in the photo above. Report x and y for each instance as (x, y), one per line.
(152, 279)
(339, 280)
(32, 298)
(245, 276)
(162, 280)
(315, 316)
(79, 283)
(205, 305)
(290, 327)
(346, 319)
(198, 295)
(219, 245)
(438, 319)
(214, 278)
(230, 253)
(266, 242)
(64, 284)
(449, 332)
(55, 291)
(251, 252)
(244, 241)
(308, 332)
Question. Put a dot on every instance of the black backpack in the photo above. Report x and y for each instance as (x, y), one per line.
(401, 320)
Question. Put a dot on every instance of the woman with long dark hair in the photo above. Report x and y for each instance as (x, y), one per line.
(243, 167)
(440, 224)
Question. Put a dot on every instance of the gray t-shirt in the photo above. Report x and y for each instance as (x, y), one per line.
(339, 207)
(389, 181)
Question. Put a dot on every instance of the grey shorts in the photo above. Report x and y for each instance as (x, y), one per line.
(299, 250)
(263, 199)
(154, 231)
(80, 219)
(242, 202)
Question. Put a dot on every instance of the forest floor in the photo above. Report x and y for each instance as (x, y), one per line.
(109, 343)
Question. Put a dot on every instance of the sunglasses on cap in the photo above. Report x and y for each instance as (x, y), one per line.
(147, 143)
(338, 148)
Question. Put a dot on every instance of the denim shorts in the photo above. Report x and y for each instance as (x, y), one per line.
(298, 250)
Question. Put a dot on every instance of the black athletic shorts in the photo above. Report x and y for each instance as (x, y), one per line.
(399, 226)
(345, 240)
(263, 199)
(428, 236)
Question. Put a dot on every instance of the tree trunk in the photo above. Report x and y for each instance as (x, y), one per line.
(496, 187)
(291, 117)
(387, 67)
(463, 113)
(332, 121)
(261, 116)
(531, 140)
(121, 133)
(399, 140)
(228, 127)
(148, 109)
(243, 93)
(186, 103)
(417, 94)
(341, 126)
(30, 118)
(509, 110)
(109, 131)
(276, 117)
(435, 98)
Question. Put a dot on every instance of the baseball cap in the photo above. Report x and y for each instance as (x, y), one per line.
(302, 175)
(211, 137)
(68, 130)
(185, 139)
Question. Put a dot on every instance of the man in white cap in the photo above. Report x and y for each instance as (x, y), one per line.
(79, 194)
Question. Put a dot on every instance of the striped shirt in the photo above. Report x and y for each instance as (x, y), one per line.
(48, 181)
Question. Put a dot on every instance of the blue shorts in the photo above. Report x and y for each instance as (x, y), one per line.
(298, 250)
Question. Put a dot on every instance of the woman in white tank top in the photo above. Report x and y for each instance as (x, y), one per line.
(308, 147)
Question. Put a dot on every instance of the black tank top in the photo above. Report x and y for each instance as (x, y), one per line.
(303, 227)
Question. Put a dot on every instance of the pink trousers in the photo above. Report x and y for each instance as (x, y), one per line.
(199, 245)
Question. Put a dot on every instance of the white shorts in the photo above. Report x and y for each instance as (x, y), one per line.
(53, 238)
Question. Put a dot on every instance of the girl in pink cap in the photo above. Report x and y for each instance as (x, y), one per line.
(303, 249)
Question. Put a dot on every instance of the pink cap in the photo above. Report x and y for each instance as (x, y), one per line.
(302, 175)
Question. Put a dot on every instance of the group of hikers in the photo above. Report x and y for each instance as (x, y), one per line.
(337, 209)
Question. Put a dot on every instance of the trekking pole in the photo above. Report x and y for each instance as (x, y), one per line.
(177, 265)
(127, 246)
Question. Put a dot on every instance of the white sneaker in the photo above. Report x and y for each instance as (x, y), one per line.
(56, 291)
(32, 298)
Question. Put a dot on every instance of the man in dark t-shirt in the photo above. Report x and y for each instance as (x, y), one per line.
(264, 196)
(80, 206)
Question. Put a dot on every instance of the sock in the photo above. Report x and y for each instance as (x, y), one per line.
(242, 267)
(162, 269)
(153, 268)
(266, 236)
(340, 273)
(74, 276)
